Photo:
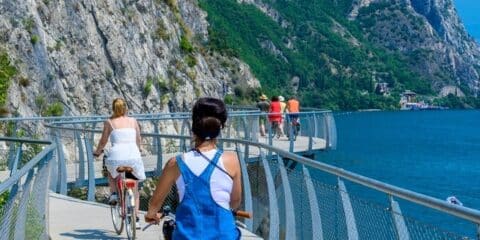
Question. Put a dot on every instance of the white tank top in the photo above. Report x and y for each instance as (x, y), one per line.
(220, 183)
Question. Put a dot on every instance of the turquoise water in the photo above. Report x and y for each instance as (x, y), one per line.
(432, 152)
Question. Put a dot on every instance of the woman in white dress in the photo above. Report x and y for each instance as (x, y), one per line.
(124, 134)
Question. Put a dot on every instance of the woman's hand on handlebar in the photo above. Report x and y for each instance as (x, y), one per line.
(242, 214)
(97, 153)
(153, 217)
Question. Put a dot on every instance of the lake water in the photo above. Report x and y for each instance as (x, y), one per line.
(431, 152)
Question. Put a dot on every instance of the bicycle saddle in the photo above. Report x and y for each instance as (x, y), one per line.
(124, 169)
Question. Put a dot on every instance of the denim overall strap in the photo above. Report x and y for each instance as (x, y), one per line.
(185, 172)
(198, 216)
(213, 163)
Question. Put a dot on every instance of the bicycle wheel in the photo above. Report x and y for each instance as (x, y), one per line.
(116, 212)
(130, 218)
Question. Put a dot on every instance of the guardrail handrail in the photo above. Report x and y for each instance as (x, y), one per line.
(456, 210)
(28, 166)
(25, 193)
(24, 140)
(53, 118)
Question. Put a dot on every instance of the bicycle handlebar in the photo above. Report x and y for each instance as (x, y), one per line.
(237, 213)
(97, 155)
(242, 214)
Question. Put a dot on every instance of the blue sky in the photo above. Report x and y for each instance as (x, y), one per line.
(469, 11)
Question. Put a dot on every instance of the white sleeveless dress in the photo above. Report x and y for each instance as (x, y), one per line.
(124, 152)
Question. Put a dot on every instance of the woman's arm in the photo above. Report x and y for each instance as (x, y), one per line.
(232, 165)
(107, 129)
(169, 175)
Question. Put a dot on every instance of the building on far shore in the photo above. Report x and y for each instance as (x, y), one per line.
(408, 101)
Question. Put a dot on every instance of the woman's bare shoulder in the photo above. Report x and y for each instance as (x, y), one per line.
(230, 156)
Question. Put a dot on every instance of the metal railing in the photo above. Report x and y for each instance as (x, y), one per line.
(24, 189)
(74, 158)
(294, 197)
(290, 196)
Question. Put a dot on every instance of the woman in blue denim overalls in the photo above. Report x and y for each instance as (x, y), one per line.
(208, 180)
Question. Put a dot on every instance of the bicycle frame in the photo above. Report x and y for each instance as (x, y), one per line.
(123, 184)
(124, 212)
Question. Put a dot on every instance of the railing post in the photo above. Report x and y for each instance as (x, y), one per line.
(291, 137)
(11, 151)
(62, 168)
(18, 157)
(54, 174)
(270, 137)
(246, 129)
(254, 127)
(182, 132)
(91, 170)
(348, 210)
(156, 131)
(229, 133)
(317, 230)
(289, 207)
(273, 232)
(400, 226)
(478, 231)
(247, 191)
(81, 160)
(326, 131)
(158, 148)
(20, 225)
(159, 157)
(41, 196)
(311, 132)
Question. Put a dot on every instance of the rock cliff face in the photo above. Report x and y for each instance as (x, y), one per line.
(85, 53)
(429, 32)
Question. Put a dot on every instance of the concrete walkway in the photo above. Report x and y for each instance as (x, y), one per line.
(71, 218)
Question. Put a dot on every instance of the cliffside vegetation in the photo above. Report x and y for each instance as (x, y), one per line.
(7, 71)
(337, 63)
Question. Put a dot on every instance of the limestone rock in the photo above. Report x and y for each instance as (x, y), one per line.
(86, 53)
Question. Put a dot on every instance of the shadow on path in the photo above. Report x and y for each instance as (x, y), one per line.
(92, 234)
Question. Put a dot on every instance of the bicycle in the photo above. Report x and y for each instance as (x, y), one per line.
(275, 129)
(123, 211)
(168, 219)
(294, 128)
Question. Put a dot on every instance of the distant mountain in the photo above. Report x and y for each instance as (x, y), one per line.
(74, 57)
(333, 54)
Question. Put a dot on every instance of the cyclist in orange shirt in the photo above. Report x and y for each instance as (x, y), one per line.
(293, 108)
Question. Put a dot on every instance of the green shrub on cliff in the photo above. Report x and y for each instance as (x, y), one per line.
(54, 109)
(7, 71)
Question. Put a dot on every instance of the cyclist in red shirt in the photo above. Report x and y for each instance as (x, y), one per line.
(275, 115)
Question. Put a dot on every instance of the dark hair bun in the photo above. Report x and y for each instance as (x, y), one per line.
(208, 117)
